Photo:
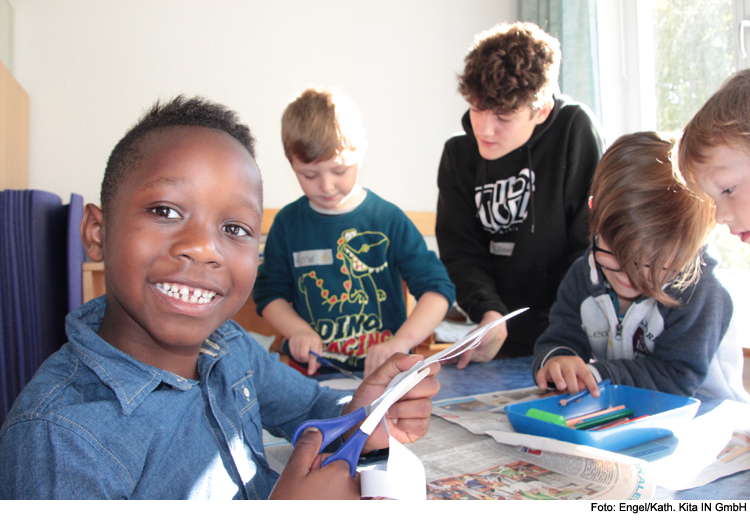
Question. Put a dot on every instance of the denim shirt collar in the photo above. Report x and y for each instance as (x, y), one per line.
(131, 380)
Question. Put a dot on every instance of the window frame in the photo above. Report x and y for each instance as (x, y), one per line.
(626, 63)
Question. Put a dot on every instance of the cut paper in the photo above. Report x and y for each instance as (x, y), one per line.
(451, 331)
(343, 384)
(401, 477)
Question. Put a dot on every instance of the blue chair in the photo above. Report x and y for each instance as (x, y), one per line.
(40, 281)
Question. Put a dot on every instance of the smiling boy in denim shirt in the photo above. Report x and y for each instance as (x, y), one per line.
(157, 394)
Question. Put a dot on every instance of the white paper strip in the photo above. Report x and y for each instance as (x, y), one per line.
(401, 477)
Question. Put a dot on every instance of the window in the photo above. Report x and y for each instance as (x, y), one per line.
(660, 61)
(695, 49)
(693, 54)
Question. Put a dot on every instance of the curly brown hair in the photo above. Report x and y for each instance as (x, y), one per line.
(510, 66)
(647, 215)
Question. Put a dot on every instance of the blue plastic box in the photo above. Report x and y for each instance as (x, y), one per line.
(666, 411)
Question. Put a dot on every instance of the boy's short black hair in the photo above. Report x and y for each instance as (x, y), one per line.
(180, 111)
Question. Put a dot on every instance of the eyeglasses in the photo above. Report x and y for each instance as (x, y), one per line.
(606, 260)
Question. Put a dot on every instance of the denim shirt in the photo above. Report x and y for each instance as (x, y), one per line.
(96, 423)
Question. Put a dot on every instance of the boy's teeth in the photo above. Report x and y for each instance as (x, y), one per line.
(186, 294)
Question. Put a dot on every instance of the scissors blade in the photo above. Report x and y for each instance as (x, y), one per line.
(343, 371)
(325, 362)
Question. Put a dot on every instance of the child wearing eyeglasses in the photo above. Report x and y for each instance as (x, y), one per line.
(642, 307)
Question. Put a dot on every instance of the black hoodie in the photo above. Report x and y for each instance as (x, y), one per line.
(505, 247)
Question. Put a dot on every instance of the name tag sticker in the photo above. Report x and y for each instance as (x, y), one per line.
(502, 249)
(313, 257)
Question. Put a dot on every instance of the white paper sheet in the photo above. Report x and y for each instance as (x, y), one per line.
(401, 477)
(344, 384)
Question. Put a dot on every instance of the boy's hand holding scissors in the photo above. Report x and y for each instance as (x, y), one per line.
(408, 420)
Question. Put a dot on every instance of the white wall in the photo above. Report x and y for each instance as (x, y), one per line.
(91, 68)
(6, 34)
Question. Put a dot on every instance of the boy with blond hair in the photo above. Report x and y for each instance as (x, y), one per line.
(714, 152)
(330, 281)
(512, 209)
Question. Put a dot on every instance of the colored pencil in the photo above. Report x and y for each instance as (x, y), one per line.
(624, 421)
(571, 422)
(603, 419)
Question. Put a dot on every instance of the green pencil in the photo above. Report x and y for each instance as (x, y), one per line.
(603, 419)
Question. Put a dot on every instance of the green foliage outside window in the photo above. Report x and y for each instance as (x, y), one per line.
(694, 53)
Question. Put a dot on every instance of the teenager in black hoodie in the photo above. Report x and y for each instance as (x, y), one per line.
(513, 206)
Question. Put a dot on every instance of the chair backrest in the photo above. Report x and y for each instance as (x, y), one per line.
(75, 252)
(34, 228)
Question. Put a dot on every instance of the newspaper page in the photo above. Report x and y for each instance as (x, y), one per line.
(711, 446)
(462, 465)
(484, 412)
(485, 459)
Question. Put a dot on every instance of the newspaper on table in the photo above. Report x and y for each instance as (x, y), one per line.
(512, 465)
(484, 412)
(467, 464)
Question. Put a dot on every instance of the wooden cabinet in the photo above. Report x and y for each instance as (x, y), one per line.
(14, 132)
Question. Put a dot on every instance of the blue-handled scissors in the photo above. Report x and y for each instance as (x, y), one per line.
(373, 413)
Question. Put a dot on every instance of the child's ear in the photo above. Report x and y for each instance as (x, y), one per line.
(543, 113)
(92, 232)
(591, 202)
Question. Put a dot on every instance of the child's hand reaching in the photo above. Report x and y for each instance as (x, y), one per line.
(300, 345)
(488, 347)
(427, 314)
(304, 478)
(567, 373)
(377, 354)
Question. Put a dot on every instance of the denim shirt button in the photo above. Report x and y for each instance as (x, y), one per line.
(246, 392)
